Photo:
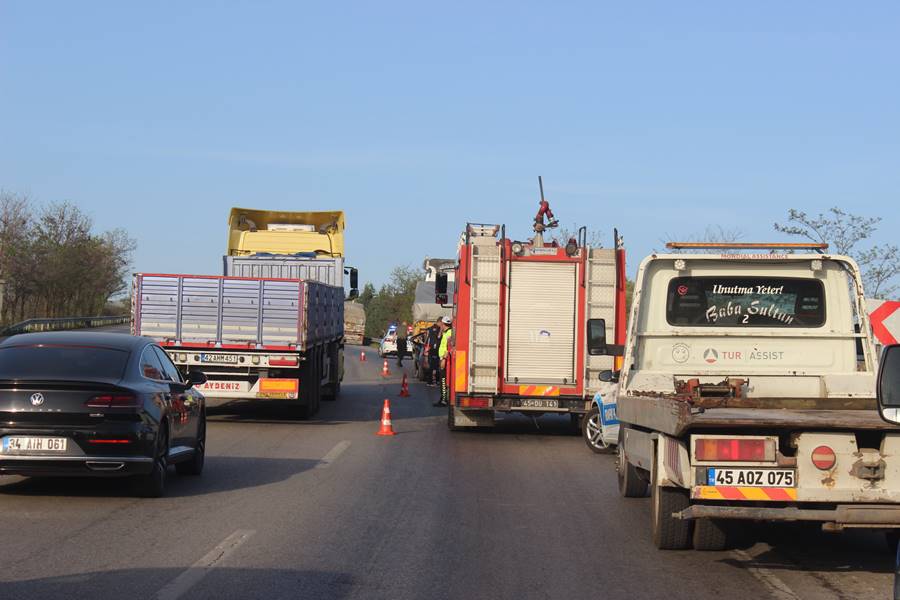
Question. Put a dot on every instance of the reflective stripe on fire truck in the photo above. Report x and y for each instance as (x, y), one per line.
(720, 492)
(538, 390)
(461, 372)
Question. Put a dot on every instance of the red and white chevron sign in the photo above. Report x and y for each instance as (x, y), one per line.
(885, 318)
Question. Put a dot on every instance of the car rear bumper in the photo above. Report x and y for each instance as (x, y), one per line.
(84, 457)
(75, 466)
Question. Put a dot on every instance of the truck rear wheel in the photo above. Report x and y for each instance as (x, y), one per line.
(710, 534)
(669, 533)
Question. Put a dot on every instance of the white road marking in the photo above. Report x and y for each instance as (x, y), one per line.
(192, 575)
(333, 454)
(775, 586)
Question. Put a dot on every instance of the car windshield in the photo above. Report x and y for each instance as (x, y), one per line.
(63, 362)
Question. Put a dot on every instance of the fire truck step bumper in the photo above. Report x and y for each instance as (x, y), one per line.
(843, 516)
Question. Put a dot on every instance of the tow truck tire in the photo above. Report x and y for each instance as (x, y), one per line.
(710, 534)
(669, 533)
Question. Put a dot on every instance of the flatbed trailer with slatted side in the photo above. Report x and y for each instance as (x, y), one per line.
(523, 313)
(256, 339)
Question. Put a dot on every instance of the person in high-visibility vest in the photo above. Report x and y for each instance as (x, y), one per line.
(443, 356)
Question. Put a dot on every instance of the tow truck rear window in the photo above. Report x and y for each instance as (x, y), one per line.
(745, 302)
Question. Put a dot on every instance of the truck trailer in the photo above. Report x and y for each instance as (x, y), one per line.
(522, 313)
(748, 394)
(272, 327)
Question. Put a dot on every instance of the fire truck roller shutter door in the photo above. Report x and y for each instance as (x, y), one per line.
(542, 307)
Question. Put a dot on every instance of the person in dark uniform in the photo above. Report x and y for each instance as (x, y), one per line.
(432, 346)
(401, 348)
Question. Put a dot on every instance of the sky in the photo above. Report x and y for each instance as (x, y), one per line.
(657, 118)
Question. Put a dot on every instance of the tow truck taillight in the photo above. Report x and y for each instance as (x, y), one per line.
(734, 449)
(112, 401)
(823, 457)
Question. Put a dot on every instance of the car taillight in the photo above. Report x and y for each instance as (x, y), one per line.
(823, 457)
(108, 441)
(112, 401)
(734, 449)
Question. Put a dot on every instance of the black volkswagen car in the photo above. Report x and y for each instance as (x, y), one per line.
(98, 404)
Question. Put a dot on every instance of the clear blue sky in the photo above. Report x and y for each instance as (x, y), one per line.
(659, 117)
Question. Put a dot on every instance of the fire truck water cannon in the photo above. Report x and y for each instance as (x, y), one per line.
(544, 211)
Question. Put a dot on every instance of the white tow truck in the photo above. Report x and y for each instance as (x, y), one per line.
(748, 393)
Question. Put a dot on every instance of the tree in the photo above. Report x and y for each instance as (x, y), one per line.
(844, 232)
(563, 234)
(365, 297)
(54, 265)
(393, 301)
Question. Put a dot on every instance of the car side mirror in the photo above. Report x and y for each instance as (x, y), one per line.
(196, 378)
(596, 335)
(609, 376)
(440, 289)
(354, 283)
(888, 384)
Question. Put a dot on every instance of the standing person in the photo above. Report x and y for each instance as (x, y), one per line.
(444, 355)
(432, 345)
(401, 348)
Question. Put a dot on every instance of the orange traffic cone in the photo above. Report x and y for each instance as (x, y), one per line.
(404, 388)
(362, 357)
(386, 428)
(385, 372)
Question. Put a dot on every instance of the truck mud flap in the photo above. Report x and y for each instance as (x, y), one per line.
(473, 418)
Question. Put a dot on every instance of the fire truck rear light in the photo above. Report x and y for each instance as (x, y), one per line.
(112, 401)
(283, 361)
(734, 450)
(823, 457)
(474, 402)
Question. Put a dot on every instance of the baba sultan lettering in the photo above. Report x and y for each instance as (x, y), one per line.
(714, 312)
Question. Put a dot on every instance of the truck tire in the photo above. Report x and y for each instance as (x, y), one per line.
(310, 387)
(631, 483)
(330, 392)
(710, 534)
(668, 532)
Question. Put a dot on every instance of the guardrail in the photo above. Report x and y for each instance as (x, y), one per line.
(33, 325)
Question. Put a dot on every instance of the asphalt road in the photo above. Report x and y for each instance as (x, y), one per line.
(326, 509)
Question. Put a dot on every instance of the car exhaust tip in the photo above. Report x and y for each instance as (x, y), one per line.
(103, 465)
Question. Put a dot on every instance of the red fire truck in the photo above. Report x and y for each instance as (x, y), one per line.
(524, 314)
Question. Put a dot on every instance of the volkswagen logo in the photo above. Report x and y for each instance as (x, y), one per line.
(37, 399)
